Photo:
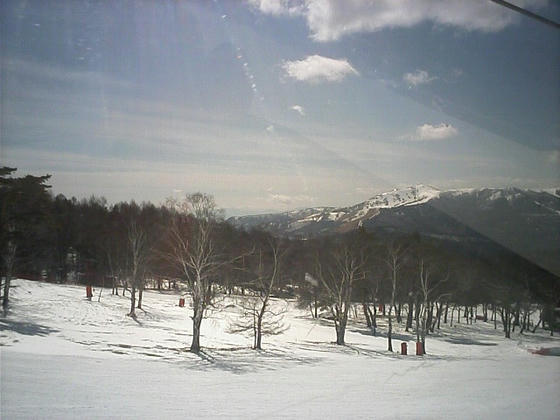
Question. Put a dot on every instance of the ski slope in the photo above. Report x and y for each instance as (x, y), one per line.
(62, 356)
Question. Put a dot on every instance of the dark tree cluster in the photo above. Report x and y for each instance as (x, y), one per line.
(422, 282)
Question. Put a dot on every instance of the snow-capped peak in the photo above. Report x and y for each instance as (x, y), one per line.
(398, 197)
(403, 197)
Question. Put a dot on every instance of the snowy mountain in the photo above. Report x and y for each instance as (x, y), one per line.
(324, 219)
(524, 221)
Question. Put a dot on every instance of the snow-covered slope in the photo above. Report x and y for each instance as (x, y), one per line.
(62, 356)
(319, 219)
(330, 219)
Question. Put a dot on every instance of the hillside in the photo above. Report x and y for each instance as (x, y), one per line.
(522, 221)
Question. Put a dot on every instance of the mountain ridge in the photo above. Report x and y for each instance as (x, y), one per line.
(525, 221)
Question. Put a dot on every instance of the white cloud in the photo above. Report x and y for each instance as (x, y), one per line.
(435, 132)
(299, 109)
(317, 69)
(290, 199)
(279, 7)
(270, 129)
(329, 20)
(429, 132)
(419, 77)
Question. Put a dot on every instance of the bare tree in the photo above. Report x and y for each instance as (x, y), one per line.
(139, 255)
(394, 258)
(430, 276)
(9, 257)
(193, 251)
(258, 316)
(337, 272)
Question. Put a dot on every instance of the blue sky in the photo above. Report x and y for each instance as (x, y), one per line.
(279, 104)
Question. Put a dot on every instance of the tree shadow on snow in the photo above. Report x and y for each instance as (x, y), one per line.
(25, 328)
(242, 360)
(468, 341)
(398, 336)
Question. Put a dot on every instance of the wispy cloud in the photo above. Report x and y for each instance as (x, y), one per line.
(290, 200)
(318, 69)
(299, 109)
(329, 20)
(43, 72)
(429, 132)
(419, 77)
(436, 132)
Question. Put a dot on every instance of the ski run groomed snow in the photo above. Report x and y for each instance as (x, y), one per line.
(63, 356)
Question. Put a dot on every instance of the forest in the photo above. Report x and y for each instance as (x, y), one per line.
(415, 281)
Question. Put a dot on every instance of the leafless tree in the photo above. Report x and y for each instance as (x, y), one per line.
(193, 251)
(430, 279)
(337, 271)
(258, 316)
(139, 254)
(8, 257)
(394, 259)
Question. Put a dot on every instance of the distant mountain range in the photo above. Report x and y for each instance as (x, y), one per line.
(523, 221)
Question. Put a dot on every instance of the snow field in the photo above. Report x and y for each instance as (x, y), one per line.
(63, 356)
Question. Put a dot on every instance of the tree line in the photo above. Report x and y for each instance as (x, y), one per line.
(413, 280)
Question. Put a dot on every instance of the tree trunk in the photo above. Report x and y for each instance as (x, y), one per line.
(417, 319)
(258, 341)
(5, 297)
(409, 316)
(373, 319)
(9, 260)
(445, 315)
(390, 332)
(140, 293)
(536, 326)
(429, 321)
(452, 313)
(340, 325)
(439, 311)
(366, 314)
(340, 331)
(197, 321)
(132, 313)
(316, 305)
(424, 326)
